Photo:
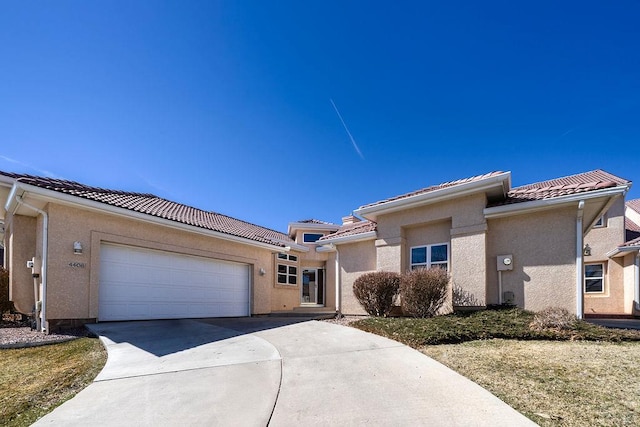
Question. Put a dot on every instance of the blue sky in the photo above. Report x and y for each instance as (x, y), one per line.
(273, 112)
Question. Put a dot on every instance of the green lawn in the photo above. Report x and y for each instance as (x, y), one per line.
(587, 375)
(35, 380)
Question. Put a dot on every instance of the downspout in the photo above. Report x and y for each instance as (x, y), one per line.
(636, 274)
(45, 242)
(579, 262)
(338, 284)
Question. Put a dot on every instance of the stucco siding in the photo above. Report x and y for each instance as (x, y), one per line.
(355, 260)
(73, 280)
(602, 240)
(22, 246)
(543, 246)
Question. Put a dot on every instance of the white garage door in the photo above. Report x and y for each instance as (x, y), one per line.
(138, 284)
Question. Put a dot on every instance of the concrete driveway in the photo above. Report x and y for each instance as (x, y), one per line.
(277, 372)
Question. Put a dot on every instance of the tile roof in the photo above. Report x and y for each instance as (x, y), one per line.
(161, 208)
(314, 221)
(435, 187)
(580, 183)
(634, 204)
(631, 243)
(356, 228)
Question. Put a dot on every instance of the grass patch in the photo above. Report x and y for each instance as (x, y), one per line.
(554, 383)
(483, 325)
(565, 376)
(33, 381)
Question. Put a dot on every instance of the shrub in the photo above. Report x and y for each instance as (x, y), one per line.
(5, 304)
(423, 292)
(553, 318)
(463, 298)
(377, 292)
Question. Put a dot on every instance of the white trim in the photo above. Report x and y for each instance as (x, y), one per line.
(326, 248)
(296, 226)
(604, 274)
(622, 250)
(636, 276)
(428, 262)
(50, 195)
(537, 205)
(579, 262)
(599, 219)
(502, 180)
(369, 235)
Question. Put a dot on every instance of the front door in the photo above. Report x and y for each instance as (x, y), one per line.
(312, 286)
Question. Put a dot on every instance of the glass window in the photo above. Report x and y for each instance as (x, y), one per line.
(419, 255)
(599, 222)
(594, 278)
(430, 256)
(311, 237)
(287, 269)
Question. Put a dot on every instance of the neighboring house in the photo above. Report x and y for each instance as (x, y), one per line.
(101, 255)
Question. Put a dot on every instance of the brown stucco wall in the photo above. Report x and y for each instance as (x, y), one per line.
(21, 238)
(74, 291)
(544, 253)
(355, 260)
(602, 240)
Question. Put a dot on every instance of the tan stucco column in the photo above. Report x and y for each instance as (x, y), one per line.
(469, 260)
(388, 252)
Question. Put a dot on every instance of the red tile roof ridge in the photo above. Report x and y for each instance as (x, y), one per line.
(575, 179)
(435, 187)
(597, 179)
(152, 205)
(634, 242)
(356, 228)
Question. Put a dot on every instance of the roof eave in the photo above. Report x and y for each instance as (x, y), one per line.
(502, 180)
(54, 196)
(622, 250)
(353, 238)
(537, 205)
(296, 226)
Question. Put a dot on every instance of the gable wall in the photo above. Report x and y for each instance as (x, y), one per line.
(543, 249)
(74, 291)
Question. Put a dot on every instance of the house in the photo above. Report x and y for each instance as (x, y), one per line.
(78, 253)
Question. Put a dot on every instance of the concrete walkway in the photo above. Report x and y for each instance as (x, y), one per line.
(277, 372)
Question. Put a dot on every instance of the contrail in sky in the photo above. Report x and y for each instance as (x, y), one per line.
(353, 141)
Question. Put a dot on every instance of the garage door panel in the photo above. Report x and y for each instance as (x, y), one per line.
(137, 284)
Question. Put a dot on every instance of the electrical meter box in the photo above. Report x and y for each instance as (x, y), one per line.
(505, 262)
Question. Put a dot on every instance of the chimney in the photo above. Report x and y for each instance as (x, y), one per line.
(350, 219)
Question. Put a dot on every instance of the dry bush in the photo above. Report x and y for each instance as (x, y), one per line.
(555, 318)
(423, 292)
(463, 298)
(377, 292)
(5, 304)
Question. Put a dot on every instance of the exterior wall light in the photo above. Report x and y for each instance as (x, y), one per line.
(261, 272)
(587, 250)
(77, 248)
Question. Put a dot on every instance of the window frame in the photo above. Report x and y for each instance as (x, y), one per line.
(601, 222)
(429, 263)
(602, 278)
(287, 269)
